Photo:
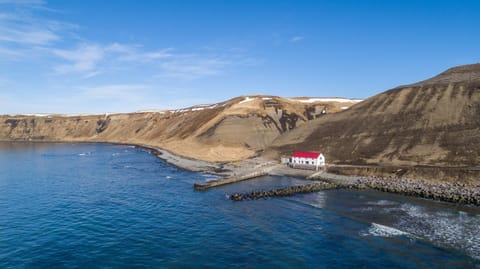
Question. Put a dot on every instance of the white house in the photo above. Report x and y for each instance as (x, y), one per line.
(309, 160)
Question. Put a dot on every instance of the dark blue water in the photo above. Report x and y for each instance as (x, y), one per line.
(110, 206)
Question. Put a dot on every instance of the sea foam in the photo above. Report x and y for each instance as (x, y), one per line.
(384, 231)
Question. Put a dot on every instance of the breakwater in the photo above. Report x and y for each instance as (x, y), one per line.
(460, 193)
(387, 179)
(453, 192)
(290, 191)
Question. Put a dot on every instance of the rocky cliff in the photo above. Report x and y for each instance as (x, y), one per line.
(432, 122)
(233, 130)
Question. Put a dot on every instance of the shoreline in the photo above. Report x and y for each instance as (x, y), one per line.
(178, 161)
(186, 163)
(441, 190)
(453, 193)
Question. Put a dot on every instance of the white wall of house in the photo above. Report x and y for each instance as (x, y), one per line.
(320, 161)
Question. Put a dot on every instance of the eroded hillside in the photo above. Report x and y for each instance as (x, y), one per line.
(433, 122)
(233, 130)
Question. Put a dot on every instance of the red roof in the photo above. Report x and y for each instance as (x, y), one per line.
(306, 154)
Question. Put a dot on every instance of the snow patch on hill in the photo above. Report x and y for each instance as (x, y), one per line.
(247, 99)
(329, 99)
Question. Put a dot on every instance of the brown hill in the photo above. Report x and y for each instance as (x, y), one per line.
(433, 122)
(228, 131)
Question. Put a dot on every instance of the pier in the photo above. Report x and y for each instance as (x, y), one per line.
(233, 179)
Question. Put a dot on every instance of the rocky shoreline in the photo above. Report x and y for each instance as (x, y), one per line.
(457, 193)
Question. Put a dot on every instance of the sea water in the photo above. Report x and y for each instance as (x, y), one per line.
(113, 206)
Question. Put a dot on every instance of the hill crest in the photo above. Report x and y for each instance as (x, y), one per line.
(433, 122)
(232, 130)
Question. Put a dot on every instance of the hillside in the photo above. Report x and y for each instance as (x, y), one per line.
(432, 122)
(233, 130)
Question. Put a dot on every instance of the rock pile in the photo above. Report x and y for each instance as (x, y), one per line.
(442, 191)
(289, 191)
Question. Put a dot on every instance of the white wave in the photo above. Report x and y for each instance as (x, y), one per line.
(414, 211)
(454, 229)
(382, 203)
(316, 200)
(384, 231)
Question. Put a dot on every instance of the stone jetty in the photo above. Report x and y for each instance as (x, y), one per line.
(290, 191)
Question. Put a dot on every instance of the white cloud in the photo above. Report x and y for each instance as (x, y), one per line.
(91, 60)
(28, 36)
(146, 56)
(21, 28)
(115, 91)
(10, 52)
(135, 54)
(23, 2)
(297, 39)
(24, 31)
(189, 67)
(83, 59)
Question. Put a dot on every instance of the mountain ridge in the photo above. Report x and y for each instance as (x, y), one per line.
(232, 130)
(432, 122)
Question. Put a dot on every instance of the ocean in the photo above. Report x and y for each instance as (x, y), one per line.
(81, 205)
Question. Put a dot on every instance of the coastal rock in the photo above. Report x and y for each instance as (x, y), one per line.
(290, 191)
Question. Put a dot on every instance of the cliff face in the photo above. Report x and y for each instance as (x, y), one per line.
(433, 122)
(233, 130)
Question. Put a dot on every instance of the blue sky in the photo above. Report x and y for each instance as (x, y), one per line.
(122, 56)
